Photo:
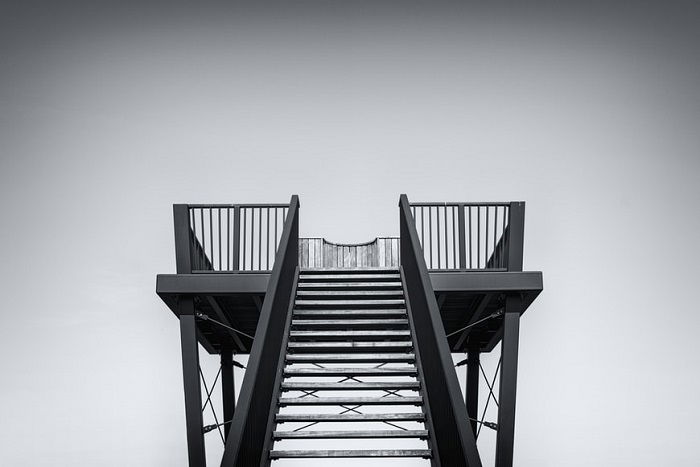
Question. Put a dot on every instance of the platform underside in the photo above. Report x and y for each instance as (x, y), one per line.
(464, 297)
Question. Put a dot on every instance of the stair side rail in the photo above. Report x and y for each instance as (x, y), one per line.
(453, 438)
(246, 442)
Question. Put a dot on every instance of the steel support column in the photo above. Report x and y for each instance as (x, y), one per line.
(228, 389)
(509, 374)
(190, 376)
(472, 387)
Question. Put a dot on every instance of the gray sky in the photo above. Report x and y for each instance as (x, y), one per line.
(112, 112)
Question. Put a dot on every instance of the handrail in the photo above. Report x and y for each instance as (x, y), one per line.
(231, 237)
(246, 441)
(470, 236)
(453, 437)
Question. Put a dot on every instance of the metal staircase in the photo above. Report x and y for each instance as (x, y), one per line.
(350, 371)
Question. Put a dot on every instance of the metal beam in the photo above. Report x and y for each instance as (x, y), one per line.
(228, 389)
(509, 374)
(190, 376)
(212, 283)
(488, 281)
(472, 387)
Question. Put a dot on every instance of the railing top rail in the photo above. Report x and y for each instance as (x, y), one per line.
(241, 205)
(458, 203)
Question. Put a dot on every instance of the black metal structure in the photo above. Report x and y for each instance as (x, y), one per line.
(459, 288)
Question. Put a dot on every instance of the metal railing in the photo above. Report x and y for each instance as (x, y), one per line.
(247, 441)
(452, 436)
(234, 237)
(464, 236)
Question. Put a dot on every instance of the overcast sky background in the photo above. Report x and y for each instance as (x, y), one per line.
(111, 112)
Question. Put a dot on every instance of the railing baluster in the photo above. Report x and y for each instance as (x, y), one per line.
(471, 238)
(267, 241)
(430, 235)
(259, 239)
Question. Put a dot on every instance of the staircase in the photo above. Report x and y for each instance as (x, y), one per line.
(350, 371)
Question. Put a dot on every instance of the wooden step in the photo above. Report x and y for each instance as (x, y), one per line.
(349, 323)
(392, 346)
(408, 370)
(351, 358)
(349, 285)
(352, 386)
(350, 293)
(424, 453)
(352, 417)
(365, 277)
(350, 434)
(350, 335)
(388, 400)
(359, 303)
(351, 314)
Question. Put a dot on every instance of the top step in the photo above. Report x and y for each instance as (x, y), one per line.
(350, 271)
(344, 276)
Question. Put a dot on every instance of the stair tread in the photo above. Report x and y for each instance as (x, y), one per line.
(352, 371)
(374, 385)
(351, 417)
(388, 400)
(347, 322)
(320, 333)
(387, 301)
(350, 434)
(350, 357)
(351, 312)
(351, 285)
(425, 453)
(358, 346)
(343, 293)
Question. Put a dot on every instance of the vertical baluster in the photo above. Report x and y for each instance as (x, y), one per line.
(495, 237)
(245, 231)
(444, 208)
(219, 220)
(211, 238)
(454, 241)
(204, 236)
(430, 234)
(478, 237)
(503, 239)
(267, 239)
(228, 237)
(486, 239)
(422, 228)
(470, 237)
(259, 239)
(193, 225)
(437, 235)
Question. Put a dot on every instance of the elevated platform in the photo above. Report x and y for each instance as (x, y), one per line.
(464, 297)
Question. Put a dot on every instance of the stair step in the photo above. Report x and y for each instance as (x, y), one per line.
(373, 386)
(369, 277)
(424, 453)
(347, 335)
(348, 323)
(351, 371)
(388, 400)
(358, 303)
(351, 358)
(352, 417)
(350, 293)
(350, 434)
(349, 285)
(349, 346)
(340, 313)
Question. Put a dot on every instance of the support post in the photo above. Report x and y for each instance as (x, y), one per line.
(516, 235)
(190, 376)
(509, 373)
(462, 237)
(183, 256)
(472, 387)
(236, 238)
(228, 389)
